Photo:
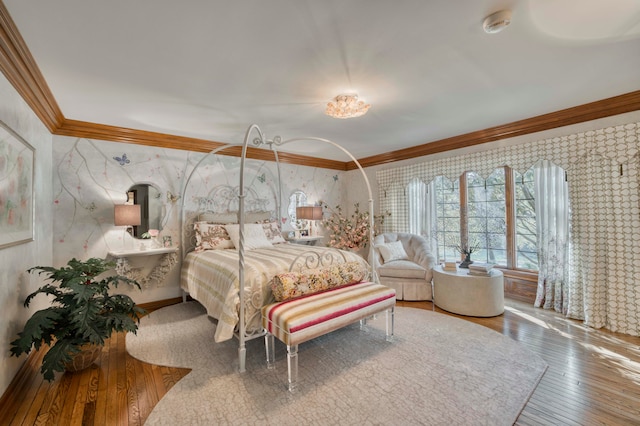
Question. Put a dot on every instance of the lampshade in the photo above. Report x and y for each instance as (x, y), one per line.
(309, 212)
(346, 106)
(126, 215)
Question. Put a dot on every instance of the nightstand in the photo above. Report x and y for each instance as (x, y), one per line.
(310, 241)
(168, 258)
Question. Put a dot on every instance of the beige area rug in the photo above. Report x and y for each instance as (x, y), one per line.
(439, 370)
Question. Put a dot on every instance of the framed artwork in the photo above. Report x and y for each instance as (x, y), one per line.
(17, 161)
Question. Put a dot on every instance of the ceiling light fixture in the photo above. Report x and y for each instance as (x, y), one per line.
(346, 106)
(497, 22)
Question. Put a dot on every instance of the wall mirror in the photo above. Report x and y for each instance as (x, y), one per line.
(151, 207)
(297, 198)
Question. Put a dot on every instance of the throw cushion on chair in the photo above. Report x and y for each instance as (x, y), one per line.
(402, 269)
(392, 251)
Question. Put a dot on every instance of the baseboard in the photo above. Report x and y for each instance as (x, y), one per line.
(152, 306)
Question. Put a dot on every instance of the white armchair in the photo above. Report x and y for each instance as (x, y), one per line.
(404, 262)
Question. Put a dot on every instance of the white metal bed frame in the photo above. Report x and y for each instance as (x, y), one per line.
(260, 141)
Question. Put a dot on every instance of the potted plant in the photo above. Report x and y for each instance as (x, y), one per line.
(82, 314)
(466, 250)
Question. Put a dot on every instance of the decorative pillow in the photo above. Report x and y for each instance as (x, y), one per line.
(254, 236)
(392, 251)
(222, 218)
(211, 236)
(273, 233)
(290, 285)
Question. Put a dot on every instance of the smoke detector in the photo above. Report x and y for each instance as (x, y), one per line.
(497, 22)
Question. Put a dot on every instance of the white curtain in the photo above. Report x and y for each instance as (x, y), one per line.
(591, 200)
(552, 229)
(422, 211)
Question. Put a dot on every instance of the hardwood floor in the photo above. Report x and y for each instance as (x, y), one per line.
(593, 378)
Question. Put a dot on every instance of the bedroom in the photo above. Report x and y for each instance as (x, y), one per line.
(58, 237)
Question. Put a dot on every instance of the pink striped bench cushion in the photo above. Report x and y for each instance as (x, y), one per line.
(298, 320)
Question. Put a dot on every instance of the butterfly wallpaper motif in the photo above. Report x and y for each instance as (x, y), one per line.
(122, 160)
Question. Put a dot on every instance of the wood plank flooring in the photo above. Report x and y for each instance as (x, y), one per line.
(593, 378)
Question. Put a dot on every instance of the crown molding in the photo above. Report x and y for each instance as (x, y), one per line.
(19, 67)
(83, 129)
(592, 111)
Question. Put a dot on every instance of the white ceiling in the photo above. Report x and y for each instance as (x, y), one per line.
(210, 68)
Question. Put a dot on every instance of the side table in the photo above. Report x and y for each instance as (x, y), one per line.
(470, 295)
(310, 241)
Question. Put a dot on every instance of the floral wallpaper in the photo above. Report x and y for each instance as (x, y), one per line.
(90, 177)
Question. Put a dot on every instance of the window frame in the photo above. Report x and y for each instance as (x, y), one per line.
(510, 218)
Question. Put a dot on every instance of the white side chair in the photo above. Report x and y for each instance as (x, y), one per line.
(407, 270)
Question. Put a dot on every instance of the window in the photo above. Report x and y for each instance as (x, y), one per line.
(526, 239)
(447, 217)
(486, 217)
(497, 215)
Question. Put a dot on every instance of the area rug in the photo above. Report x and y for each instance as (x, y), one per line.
(439, 370)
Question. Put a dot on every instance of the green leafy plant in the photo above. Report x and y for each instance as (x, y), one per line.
(82, 311)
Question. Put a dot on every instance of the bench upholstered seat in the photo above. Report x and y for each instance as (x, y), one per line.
(298, 320)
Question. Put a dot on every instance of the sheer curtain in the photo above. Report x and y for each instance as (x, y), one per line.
(422, 211)
(552, 229)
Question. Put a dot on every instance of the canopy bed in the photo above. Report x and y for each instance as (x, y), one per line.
(231, 241)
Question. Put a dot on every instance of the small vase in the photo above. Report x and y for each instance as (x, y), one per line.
(466, 262)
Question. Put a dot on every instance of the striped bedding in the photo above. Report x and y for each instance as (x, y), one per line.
(211, 278)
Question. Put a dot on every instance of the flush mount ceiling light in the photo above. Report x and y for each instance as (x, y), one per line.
(346, 106)
(497, 22)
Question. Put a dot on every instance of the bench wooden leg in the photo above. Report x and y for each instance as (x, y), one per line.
(270, 349)
(292, 366)
(390, 319)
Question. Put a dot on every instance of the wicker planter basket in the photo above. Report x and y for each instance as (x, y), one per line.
(83, 359)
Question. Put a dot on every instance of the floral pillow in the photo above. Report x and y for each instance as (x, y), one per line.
(272, 231)
(290, 285)
(211, 236)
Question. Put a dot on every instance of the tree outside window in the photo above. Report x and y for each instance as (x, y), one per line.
(486, 216)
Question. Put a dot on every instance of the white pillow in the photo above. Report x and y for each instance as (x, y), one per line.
(254, 236)
(390, 251)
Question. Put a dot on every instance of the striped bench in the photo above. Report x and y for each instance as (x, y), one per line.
(298, 320)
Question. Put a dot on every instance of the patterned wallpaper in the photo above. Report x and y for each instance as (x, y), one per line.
(90, 177)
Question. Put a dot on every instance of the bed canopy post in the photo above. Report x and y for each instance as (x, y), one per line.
(242, 350)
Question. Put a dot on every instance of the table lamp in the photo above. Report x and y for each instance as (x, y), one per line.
(310, 213)
(127, 215)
